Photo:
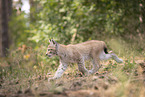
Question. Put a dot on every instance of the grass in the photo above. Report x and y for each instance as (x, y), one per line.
(25, 72)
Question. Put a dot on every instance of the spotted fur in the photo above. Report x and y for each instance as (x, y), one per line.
(79, 53)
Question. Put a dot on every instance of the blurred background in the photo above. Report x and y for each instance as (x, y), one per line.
(33, 22)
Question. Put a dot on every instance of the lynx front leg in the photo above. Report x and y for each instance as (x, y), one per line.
(62, 67)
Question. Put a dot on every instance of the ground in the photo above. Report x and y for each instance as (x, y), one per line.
(112, 80)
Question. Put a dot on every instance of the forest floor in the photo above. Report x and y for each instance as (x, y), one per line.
(112, 80)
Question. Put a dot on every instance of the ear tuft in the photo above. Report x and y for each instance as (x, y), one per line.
(54, 42)
(49, 40)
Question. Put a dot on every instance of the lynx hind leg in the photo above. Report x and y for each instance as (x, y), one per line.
(82, 68)
(115, 57)
(104, 56)
(96, 66)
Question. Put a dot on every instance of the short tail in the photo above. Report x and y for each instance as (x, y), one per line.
(105, 50)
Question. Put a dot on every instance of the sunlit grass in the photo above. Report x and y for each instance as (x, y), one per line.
(30, 69)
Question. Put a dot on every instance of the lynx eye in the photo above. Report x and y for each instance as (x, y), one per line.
(50, 49)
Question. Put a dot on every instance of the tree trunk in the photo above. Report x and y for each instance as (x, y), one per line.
(0, 29)
(5, 10)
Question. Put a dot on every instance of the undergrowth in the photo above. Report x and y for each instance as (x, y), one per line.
(26, 68)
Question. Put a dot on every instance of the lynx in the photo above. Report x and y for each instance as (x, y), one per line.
(93, 50)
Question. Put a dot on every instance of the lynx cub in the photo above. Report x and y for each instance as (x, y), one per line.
(79, 53)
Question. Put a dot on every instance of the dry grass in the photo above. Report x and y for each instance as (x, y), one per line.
(25, 73)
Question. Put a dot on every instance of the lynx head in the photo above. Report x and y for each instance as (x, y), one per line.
(52, 48)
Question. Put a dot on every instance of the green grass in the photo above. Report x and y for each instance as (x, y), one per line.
(30, 69)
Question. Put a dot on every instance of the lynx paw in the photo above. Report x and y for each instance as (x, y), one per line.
(91, 71)
(51, 79)
(120, 61)
(114, 56)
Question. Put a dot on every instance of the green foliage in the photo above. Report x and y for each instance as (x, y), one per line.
(78, 20)
(19, 26)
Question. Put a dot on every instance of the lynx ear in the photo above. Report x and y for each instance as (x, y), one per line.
(54, 42)
(49, 41)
